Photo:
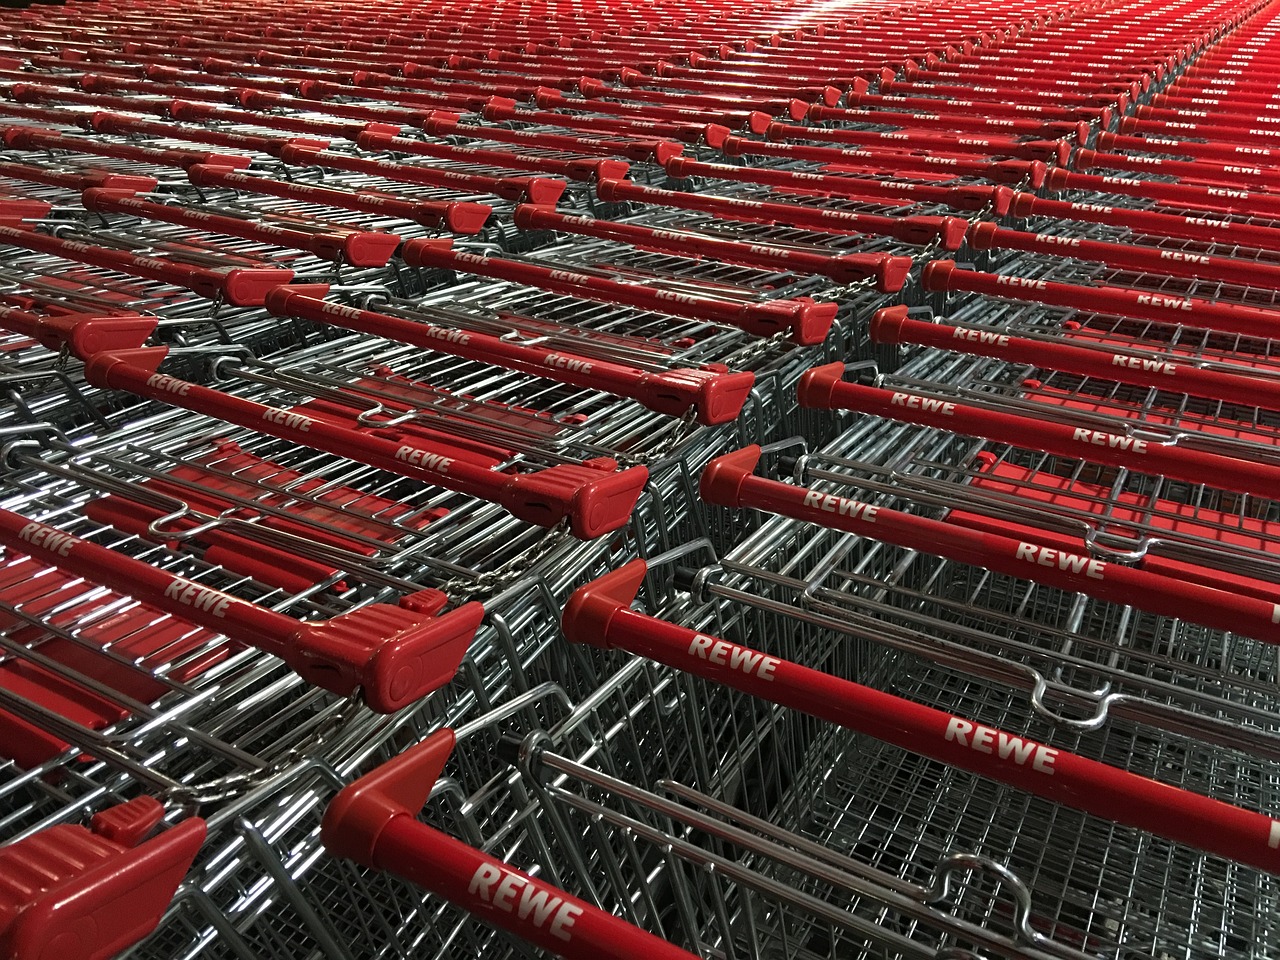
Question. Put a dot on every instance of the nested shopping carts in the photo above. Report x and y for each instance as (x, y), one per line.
(351, 358)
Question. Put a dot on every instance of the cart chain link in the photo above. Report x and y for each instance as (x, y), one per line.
(236, 784)
(486, 584)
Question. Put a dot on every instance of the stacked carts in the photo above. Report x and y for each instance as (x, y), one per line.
(743, 482)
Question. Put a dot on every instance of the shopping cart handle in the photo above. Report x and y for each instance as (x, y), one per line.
(374, 822)
(85, 893)
(393, 655)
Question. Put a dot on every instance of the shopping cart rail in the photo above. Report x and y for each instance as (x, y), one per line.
(390, 655)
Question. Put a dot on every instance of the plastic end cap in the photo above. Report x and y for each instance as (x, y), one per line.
(951, 232)
(277, 299)
(97, 892)
(758, 121)
(249, 287)
(357, 816)
(982, 236)
(87, 335)
(1023, 205)
(395, 656)
(466, 217)
(542, 190)
(813, 322)
(1085, 159)
(800, 109)
(715, 134)
(816, 389)
(893, 274)
(98, 366)
(593, 606)
(720, 399)
(1001, 200)
(936, 276)
(1055, 182)
(1106, 141)
(886, 324)
(369, 248)
(606, 505)
(722, 480)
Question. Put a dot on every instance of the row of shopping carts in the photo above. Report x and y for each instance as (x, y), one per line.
(768, 481)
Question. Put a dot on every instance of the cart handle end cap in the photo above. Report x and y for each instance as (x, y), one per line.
(393, 655)
(982, 236)
(86, 335)
(716, 397)
(590, 610)
(356, 817)
(98, 366)
(885, 327)
(816, 389)
(936, 276)
(722, 480)
(96, 890)
(277, 299)
(1024, 205)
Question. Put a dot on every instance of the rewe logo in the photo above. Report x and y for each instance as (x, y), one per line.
(980, 336)
(1000, 744)
(197, 597)
(537, 905)
(726, 654)
(1068, 562)
(927, 404)
(47, 538)
(1113, 440)
(1142, 363)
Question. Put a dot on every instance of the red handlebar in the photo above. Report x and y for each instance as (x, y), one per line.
(729, 481)
(942, 275)
(594, 497)
(87, 893)
(1161, 371)
(599, 614)
(716, 395)
(393, 655)
(374, 822)
(806, 321)
(823, 388)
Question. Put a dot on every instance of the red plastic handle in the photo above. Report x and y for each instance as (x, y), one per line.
(833, 185)
(374, 822)
(887, 271)
(81, 333)
(360, 248)
(580, 168)
(729, 481)
(1235, 197)
(1205, 171)
(533, 189)
(1156, 223)
(393, 655)
(942, 275)
(24, 138)
(239, 286)
(77, 893)
(949, 232)
(1146, 369)
(1123, 256)
(641, 149)
(459, 216)
(823, 388)
(716, 396)
(806, 322)
(599, 614)
(594, 497)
